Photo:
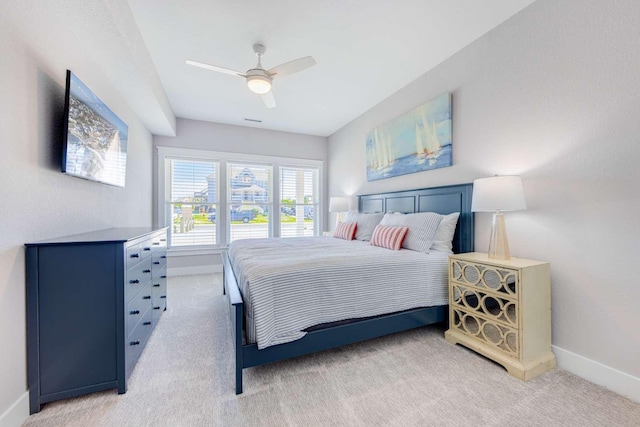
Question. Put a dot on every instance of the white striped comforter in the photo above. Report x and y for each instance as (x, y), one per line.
(291, 284)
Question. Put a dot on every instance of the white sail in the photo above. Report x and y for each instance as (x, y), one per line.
(432, 145)
(378, 149)
(431, 139)
(419, 146)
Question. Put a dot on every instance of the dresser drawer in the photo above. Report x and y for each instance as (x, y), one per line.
(160, 272)
(158, 288)
(159, 260)
(159, 244)
(158, 308)
(137, 308)
(137, 278)
(133, 255)
(145, 248)
(137, 339)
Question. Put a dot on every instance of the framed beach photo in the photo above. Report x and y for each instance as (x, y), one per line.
(417, 141)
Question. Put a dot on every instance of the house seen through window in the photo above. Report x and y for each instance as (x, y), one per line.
(204, 210)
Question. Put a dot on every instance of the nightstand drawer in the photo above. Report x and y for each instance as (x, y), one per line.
(497, 335)
(491, 306)
(487, 277)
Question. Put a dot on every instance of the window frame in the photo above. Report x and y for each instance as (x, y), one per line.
(223, 230)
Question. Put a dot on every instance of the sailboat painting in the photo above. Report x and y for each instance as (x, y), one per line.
(417, 141)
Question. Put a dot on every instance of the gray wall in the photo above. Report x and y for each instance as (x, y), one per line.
(199, 135)
(37, 201)
(552, 94)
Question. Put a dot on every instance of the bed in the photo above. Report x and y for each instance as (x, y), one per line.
(281, 344)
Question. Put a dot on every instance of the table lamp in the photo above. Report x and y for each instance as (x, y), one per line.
(338, 205)
(497, 194)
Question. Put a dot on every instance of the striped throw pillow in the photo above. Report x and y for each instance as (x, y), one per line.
(422, 228)
(345, 230)
(389, 237)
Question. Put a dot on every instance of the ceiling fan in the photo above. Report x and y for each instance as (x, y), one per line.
(260, 80)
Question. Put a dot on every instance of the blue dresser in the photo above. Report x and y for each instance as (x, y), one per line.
(93, 300)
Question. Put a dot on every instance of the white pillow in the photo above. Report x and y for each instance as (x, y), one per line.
(366, 223)
(422, 228)
(443, 240)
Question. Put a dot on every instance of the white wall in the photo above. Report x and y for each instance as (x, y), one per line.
(37, 201)
(553, 95)
(199, 135)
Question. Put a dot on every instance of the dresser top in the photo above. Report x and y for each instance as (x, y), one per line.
(110, 235)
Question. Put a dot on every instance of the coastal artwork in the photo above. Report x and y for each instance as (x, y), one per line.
(417, 141)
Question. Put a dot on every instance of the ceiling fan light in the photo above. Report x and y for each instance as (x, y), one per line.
(259, 84)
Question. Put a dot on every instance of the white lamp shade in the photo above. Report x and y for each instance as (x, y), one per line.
(498, 193)
(338, 204)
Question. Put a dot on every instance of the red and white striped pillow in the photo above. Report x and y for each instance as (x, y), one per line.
(345, 230)
(389, 237)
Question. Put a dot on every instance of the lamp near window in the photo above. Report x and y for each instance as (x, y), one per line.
(497, 194)
(338, 205)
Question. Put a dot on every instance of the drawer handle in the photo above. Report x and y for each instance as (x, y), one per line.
(156, 243)
(156, 308)
(146, 323)
(146, 271)
(135, 255)
(163, 256)
(163, 240)
(163, 277)
(136, 342)
(146, 297)
(163, 296)
(156, 262)
(147, 249)
(134, 281)
(156, 285)
(132, 312)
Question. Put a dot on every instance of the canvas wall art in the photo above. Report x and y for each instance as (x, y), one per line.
(417, 141)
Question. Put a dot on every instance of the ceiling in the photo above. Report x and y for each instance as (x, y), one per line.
(365, 51)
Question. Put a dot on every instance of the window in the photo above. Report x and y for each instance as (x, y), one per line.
(209, 199)
(298, 201)
(191, 202)
(249, 201)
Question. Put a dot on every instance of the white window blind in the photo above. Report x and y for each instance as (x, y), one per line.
(299, 201)
(249, 200)
(191, 201)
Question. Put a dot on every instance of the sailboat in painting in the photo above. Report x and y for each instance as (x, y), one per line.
(383, 159)
(427, 145)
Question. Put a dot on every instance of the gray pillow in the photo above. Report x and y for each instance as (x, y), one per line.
(366, 223)
(422, 228)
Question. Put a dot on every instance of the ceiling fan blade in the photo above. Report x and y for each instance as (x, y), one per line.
(268, 99)
(216, 68)
(292, 67)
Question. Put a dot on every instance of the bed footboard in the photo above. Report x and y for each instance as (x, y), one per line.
(236, 311)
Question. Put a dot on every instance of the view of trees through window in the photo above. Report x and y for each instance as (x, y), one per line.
(299, 201)
(192, 202)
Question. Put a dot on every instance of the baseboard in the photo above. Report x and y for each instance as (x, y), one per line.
(616, 381)
(199, 269)
(17, 413)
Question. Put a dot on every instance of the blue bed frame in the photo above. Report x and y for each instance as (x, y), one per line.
(443, 200)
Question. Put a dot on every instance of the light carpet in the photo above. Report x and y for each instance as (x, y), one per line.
(185, 378)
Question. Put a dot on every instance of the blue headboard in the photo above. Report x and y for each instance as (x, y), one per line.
(442, 200)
